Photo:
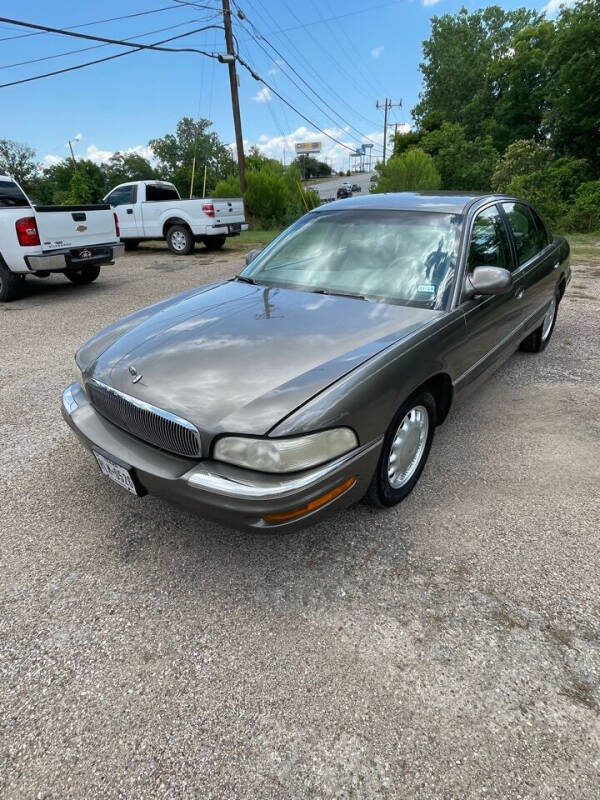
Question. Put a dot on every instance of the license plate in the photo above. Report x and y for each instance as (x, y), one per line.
(85, 253)
(120, 475)
(235, 226)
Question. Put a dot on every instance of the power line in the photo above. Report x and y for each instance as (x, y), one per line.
(95, 46)
(95, 22)
(136, 49)
(317, 95)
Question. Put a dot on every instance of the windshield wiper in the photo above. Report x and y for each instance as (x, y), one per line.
(245, 279)
(340, 294)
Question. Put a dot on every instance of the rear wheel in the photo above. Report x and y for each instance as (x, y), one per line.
(405, 450)
(180, 240)
(11, 284)
(83, 275)
(214, 242)
(539, 338)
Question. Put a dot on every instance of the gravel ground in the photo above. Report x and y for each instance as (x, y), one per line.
(448, 648)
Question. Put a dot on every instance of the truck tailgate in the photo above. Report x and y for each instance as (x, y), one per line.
(228, 209)
(75, 226)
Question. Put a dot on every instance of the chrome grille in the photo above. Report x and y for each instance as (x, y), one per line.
(146, 422)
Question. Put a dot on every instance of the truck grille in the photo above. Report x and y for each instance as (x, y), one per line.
(146, 422)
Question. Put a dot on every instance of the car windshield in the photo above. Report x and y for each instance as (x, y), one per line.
(405, 257)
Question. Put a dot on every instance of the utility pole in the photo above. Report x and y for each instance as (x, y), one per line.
(386, 105)
(235, 100)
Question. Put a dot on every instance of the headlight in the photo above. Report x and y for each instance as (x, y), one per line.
(285, 455)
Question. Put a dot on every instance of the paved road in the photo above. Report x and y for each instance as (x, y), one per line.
(448, 648)
(327, 189)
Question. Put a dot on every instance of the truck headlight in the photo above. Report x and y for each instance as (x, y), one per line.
(285, 455)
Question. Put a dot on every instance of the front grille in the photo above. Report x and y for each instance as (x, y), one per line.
(146, 422)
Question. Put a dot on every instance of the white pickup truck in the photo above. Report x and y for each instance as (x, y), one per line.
(154, 210)
(38, 240)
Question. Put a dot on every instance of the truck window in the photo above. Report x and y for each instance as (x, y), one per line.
(155, 193)
(11, 195)
(122, 196)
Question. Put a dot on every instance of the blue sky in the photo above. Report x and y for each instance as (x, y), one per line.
(352, 52)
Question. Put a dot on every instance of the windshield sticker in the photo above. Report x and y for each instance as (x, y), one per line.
(426, 288)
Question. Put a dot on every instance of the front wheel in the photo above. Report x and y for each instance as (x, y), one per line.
(214, 242)
(83, 276)
(539, 338)
(405, 450)
(180, 240)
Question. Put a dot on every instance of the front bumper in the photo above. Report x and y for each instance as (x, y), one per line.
(67, 259)
(238, 498)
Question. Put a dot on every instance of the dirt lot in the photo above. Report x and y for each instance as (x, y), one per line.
(448, 648)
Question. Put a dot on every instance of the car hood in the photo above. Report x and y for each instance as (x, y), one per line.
(238, 357)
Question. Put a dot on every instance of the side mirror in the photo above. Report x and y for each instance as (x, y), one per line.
(488, 281)
(251, 254)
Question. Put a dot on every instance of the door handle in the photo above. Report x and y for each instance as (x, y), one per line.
(519, 294)
(130, 210)
(557, 265)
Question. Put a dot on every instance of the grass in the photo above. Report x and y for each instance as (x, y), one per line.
(257, 237)
(584, 247)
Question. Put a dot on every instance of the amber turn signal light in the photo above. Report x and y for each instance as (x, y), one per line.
(285, 516)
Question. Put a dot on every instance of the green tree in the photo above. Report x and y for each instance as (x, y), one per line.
(311, 167)
(54, 187)
(462, 164)
(584, 215)
(573, 100)
(457, 63)
(18, 160)
(255, 160)
(404, 141)
(553, 188)
(80, 190)
(520, 158)
(124, 167)
(415, 170)
(175, 153)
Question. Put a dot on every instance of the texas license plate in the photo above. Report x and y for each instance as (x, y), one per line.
(120, 475)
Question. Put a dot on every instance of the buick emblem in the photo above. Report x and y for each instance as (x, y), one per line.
(135, 375)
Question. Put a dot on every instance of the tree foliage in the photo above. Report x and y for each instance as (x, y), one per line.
(124, 167)
(522, 157)
(414, 170)
(311, 167)
(462, 164)
(18, 160)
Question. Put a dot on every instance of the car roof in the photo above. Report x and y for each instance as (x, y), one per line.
(446, 202)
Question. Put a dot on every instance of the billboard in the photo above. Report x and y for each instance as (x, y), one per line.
(303, 148)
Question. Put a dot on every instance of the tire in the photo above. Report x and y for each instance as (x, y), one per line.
(539, 338)
(388, 486)
(180, 240)
(131, 244)
(213, 242)
(84, 275)
(11, 285)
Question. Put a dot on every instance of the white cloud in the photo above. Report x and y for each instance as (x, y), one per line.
(553, 7)
(377, 51)
(50, 160)
(263, 96)
(99, 156)
(430, 2)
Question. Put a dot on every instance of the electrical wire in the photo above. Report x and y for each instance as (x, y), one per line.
(136, 49)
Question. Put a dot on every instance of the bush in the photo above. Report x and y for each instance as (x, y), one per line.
(520, 158)
(462, 163)
(411, 171)
(584, 215)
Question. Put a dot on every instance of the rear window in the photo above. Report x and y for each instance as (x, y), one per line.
(11, 195)
(155, 193)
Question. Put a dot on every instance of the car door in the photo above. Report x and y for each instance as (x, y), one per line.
(489, 320)
(123, 199)
(537, 258)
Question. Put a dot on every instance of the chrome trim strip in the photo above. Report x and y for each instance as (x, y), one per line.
(160, 412)
(497, 347)
(275, 486)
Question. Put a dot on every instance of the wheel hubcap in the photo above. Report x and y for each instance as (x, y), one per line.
(549, 319)
(408, 446)
(179, 240)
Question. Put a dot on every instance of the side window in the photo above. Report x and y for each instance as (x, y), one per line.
(529, 237)
(155, 193)
(489, 244)
(122, 196)
(543, 231)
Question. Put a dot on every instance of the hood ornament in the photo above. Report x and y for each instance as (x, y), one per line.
(135, 375)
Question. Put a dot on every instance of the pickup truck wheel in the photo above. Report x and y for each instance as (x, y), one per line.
(83, 275)
(180, 240)
(539, 338)
(213, 242)
(405, 450)
(131, 244)
(11, 284)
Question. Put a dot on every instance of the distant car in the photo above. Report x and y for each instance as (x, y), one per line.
(344, 191)
(356, 188)
(373, 178)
